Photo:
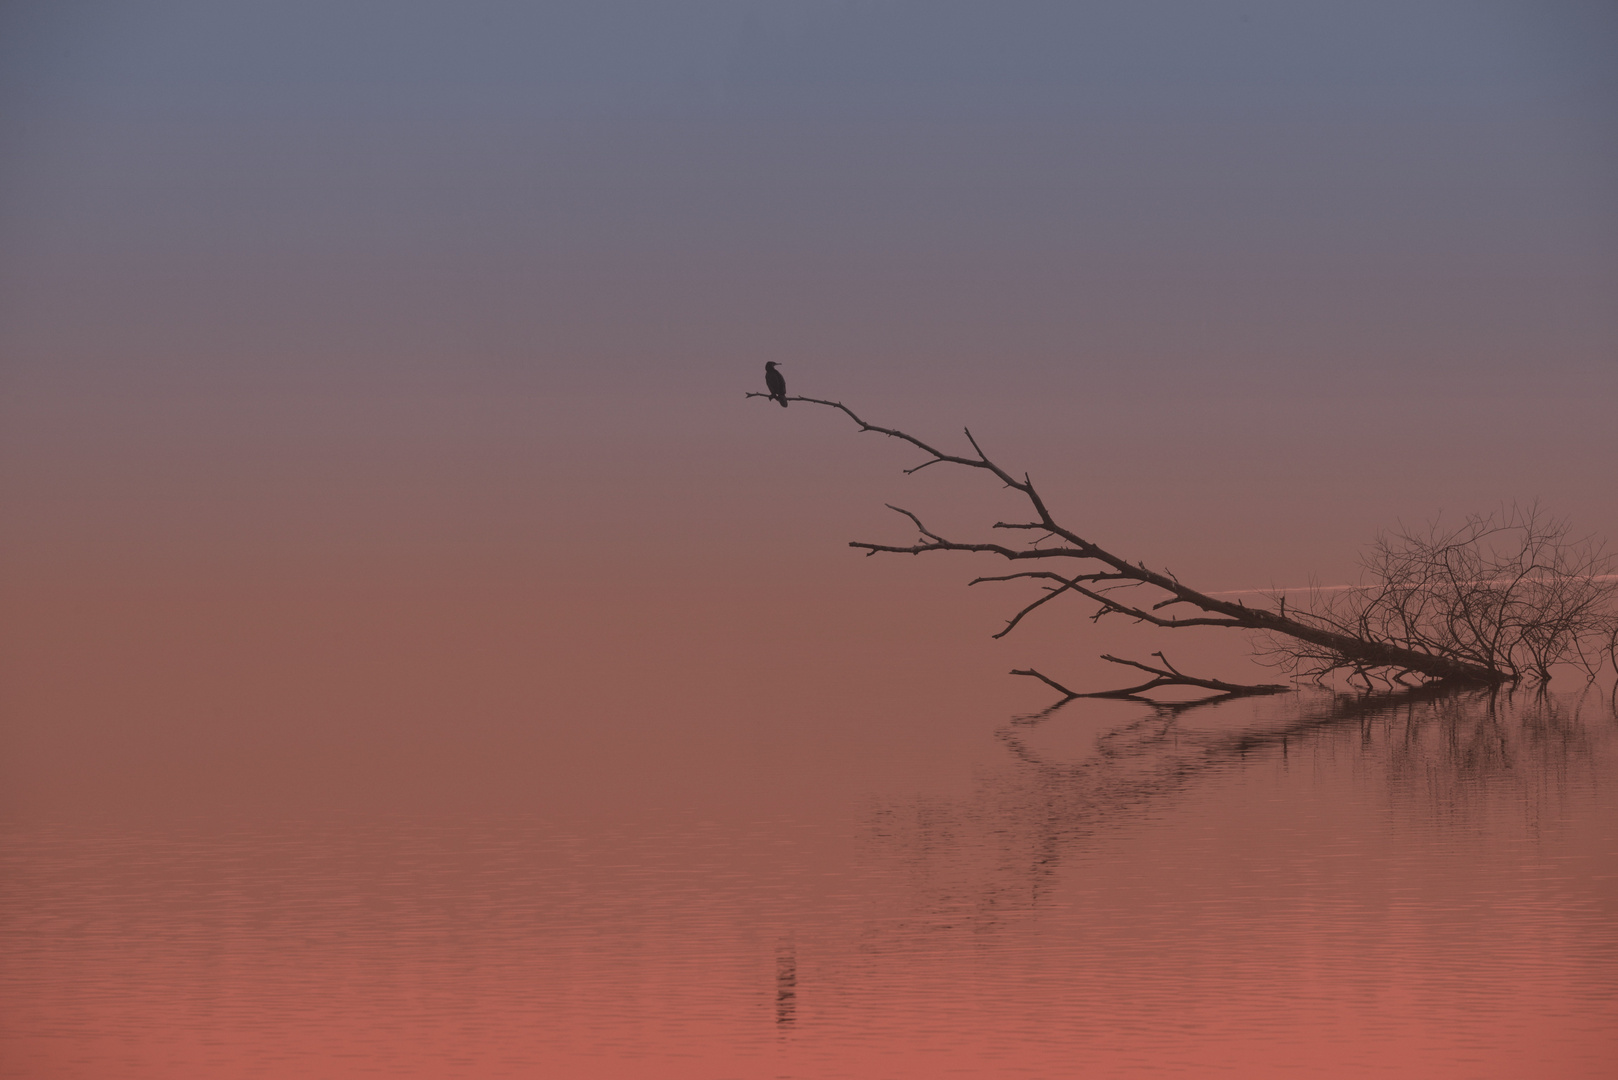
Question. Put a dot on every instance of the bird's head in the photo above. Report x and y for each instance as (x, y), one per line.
(771, 364)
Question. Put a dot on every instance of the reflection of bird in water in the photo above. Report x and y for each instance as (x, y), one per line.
(776, 382)
(786, 984)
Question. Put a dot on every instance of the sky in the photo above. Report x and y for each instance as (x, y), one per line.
(372, 374)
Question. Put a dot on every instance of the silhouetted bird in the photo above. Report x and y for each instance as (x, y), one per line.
(776, 382)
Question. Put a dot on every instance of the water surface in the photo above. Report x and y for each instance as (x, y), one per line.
(1302, 885)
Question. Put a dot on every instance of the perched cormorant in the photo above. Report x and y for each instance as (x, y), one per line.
(776, 382)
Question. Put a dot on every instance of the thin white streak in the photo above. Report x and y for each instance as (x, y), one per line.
(1346, 588)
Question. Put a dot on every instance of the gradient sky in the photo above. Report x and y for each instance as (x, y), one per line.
(369, 363)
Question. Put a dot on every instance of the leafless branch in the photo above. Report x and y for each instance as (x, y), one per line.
(1513, 592)
(1499, 599)
(1167, 675)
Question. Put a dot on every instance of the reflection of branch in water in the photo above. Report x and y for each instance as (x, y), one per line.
(1215, 749)
(1534, 738)
(1159, 709)
(977, 862)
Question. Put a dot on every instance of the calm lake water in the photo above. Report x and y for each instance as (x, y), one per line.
(1301, 885)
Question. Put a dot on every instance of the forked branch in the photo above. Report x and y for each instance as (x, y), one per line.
(1167, 675)
(1447, 608)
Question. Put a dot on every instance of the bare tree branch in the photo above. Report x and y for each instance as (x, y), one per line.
(1167, 675)
(1048, 681)
(1512, 592)
(1499, 599)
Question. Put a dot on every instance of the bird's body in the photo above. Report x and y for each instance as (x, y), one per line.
(776, 382)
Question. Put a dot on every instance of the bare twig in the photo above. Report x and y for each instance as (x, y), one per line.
(1048, 681)
(1512, 592)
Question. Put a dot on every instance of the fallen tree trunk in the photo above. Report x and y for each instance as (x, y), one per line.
(1329, 639)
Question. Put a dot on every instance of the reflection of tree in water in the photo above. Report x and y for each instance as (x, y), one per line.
(1448, 756)
(979, 862)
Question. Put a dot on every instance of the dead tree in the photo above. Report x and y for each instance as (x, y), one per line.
(1513, 592)
(1446, 610)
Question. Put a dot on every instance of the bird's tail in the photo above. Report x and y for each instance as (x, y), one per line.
(783, 400)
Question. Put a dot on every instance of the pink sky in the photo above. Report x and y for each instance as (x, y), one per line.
(367, 375)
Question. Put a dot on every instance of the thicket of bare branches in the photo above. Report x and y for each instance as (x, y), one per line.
(1495, 600)
(1513, 592)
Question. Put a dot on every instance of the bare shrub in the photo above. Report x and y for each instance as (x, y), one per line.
(1513, 592)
